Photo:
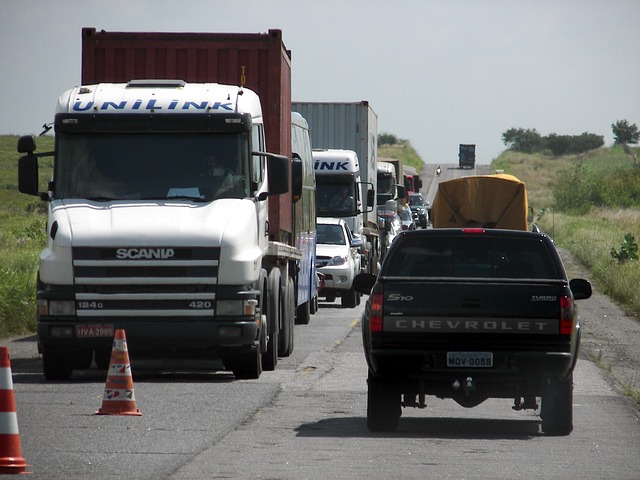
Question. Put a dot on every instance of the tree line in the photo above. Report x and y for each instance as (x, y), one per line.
(531, 141)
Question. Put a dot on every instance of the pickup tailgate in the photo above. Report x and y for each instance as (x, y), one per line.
(481, 306)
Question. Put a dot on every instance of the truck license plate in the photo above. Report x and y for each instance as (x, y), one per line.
(94, 331)
(470, 359)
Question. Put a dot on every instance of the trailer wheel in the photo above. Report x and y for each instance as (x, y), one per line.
(287, 310)
(557, 407)
(272, 302)
(384, 407)
(56, 365)
(303, 313)
(349, 298)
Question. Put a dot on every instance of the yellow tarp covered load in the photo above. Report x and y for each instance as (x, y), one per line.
(490, 201)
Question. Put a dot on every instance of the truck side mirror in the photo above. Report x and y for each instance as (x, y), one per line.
(279, 174)
(26, 144)
(371, 199)
(402, 191)
(28, 174)
(296, 177)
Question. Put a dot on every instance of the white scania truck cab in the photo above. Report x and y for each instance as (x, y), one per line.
(158, 224)
(339, 190)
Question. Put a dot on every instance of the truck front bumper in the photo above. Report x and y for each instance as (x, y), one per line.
(152, 337)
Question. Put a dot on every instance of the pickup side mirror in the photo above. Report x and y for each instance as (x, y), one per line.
(581, 288)
(296, 177)
(363, 283)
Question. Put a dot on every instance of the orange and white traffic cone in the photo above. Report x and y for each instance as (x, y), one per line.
(11, 460)
(119, 398)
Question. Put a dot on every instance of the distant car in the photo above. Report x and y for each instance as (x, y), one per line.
(338, 259)
(406, 218)
(419, 209)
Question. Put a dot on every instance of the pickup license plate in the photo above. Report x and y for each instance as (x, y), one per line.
(469, 359)
(91, 331)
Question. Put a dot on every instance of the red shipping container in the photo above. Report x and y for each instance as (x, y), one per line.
(259, 62)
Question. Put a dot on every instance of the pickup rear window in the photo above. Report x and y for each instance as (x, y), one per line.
(460, 257)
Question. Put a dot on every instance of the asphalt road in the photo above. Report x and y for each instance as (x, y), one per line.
(306, 419)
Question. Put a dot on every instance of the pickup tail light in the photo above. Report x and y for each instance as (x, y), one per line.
(375, 313)
(566, 315)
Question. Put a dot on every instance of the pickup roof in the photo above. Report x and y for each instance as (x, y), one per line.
(471, 314)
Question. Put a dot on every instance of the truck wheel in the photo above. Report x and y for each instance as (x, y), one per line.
(272, 302)
(303, 314)
(557, 407)
(384, 406)
(103, 358)
(56, 366)
(247, 365)
(287, 309)
(348, 299)
(81, 359)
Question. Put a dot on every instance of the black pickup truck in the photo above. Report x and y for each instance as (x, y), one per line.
(471, 314)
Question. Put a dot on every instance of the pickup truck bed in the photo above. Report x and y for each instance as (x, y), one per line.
(471, 314)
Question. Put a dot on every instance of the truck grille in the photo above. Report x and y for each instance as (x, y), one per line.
(145, 282)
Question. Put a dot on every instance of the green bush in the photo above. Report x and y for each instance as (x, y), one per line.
(587, 187)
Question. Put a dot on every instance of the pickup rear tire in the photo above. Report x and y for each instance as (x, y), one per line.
(384, 406)
(557, 407)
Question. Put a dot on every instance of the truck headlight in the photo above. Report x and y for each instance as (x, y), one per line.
(56, 307)
(237, 307)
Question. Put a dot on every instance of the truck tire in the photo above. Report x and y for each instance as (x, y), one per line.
(102, 357)
(384, 407)
(557, 407)
(349, 298)
(246, 365)
(56, 365)
(303, 314)
(272, 302)
(287, 309)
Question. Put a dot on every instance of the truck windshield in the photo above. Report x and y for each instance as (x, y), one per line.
(154, 166)
(336, 199)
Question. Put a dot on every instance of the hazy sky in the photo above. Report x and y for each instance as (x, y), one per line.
(437, 72)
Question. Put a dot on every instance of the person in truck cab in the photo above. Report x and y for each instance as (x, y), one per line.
(342, 200)
(216, 170)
